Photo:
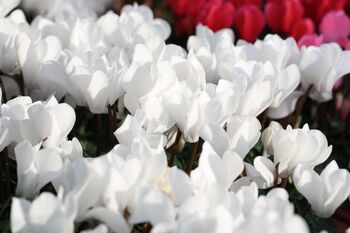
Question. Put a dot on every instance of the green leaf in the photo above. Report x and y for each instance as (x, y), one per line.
(317, 224)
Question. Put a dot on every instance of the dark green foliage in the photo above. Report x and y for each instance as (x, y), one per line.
(5, 207)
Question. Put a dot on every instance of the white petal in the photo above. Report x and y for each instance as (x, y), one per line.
(244, 133)
(309, 184)
(114, 220)
(19, 212)
(6, 6)
(216, 136)
(286, 107)
(153, 206)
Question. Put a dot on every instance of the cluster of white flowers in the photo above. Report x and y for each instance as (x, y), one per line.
(215, 92)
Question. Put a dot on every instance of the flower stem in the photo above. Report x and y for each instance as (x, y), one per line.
(99, 133)
(264, 118)
(146, 228)
(7, 170)
(300, 106)
(284, 182)
(275, 181)
(174, 148)
(23, 90)
(114, 108)
(341, 217)
(244, 173)
(193, 157)
(4, 98)
(111, 126)
(5, 184)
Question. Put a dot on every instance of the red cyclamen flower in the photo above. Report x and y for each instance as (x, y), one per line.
(240, 3)
(283, 15)
(250, 22)
(218, 14)
(316, 9)
(302, 27)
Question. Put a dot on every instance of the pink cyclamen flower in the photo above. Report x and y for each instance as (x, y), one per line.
(343, 42)
(335, 26)
(311, 40)
(317, 9)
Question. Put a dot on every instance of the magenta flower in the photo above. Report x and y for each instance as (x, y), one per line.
(311, 39)
(335, 27)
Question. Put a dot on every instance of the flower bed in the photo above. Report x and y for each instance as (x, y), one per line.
(106, 127)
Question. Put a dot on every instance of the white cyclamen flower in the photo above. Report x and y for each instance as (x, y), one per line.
(47, 213)
(214, 210)
(263, 172)
(325, 192)
(136, 24)
(293, 146)
(132, 131)
(84, 180)
(247, 193)
(283, 55)
(280, 52)
(321, 67)
(255, 81)
(152, 205)
(32, 52)
(10, 27)
(284, 94)
(186, 109)
(211, 49)
(99, 229)
(47, 122)
(6, 6)
(266, 136)
(242, 134)
(273, 213)
(35, 168)
(61, 8)
(215, 106)
(212, 168)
